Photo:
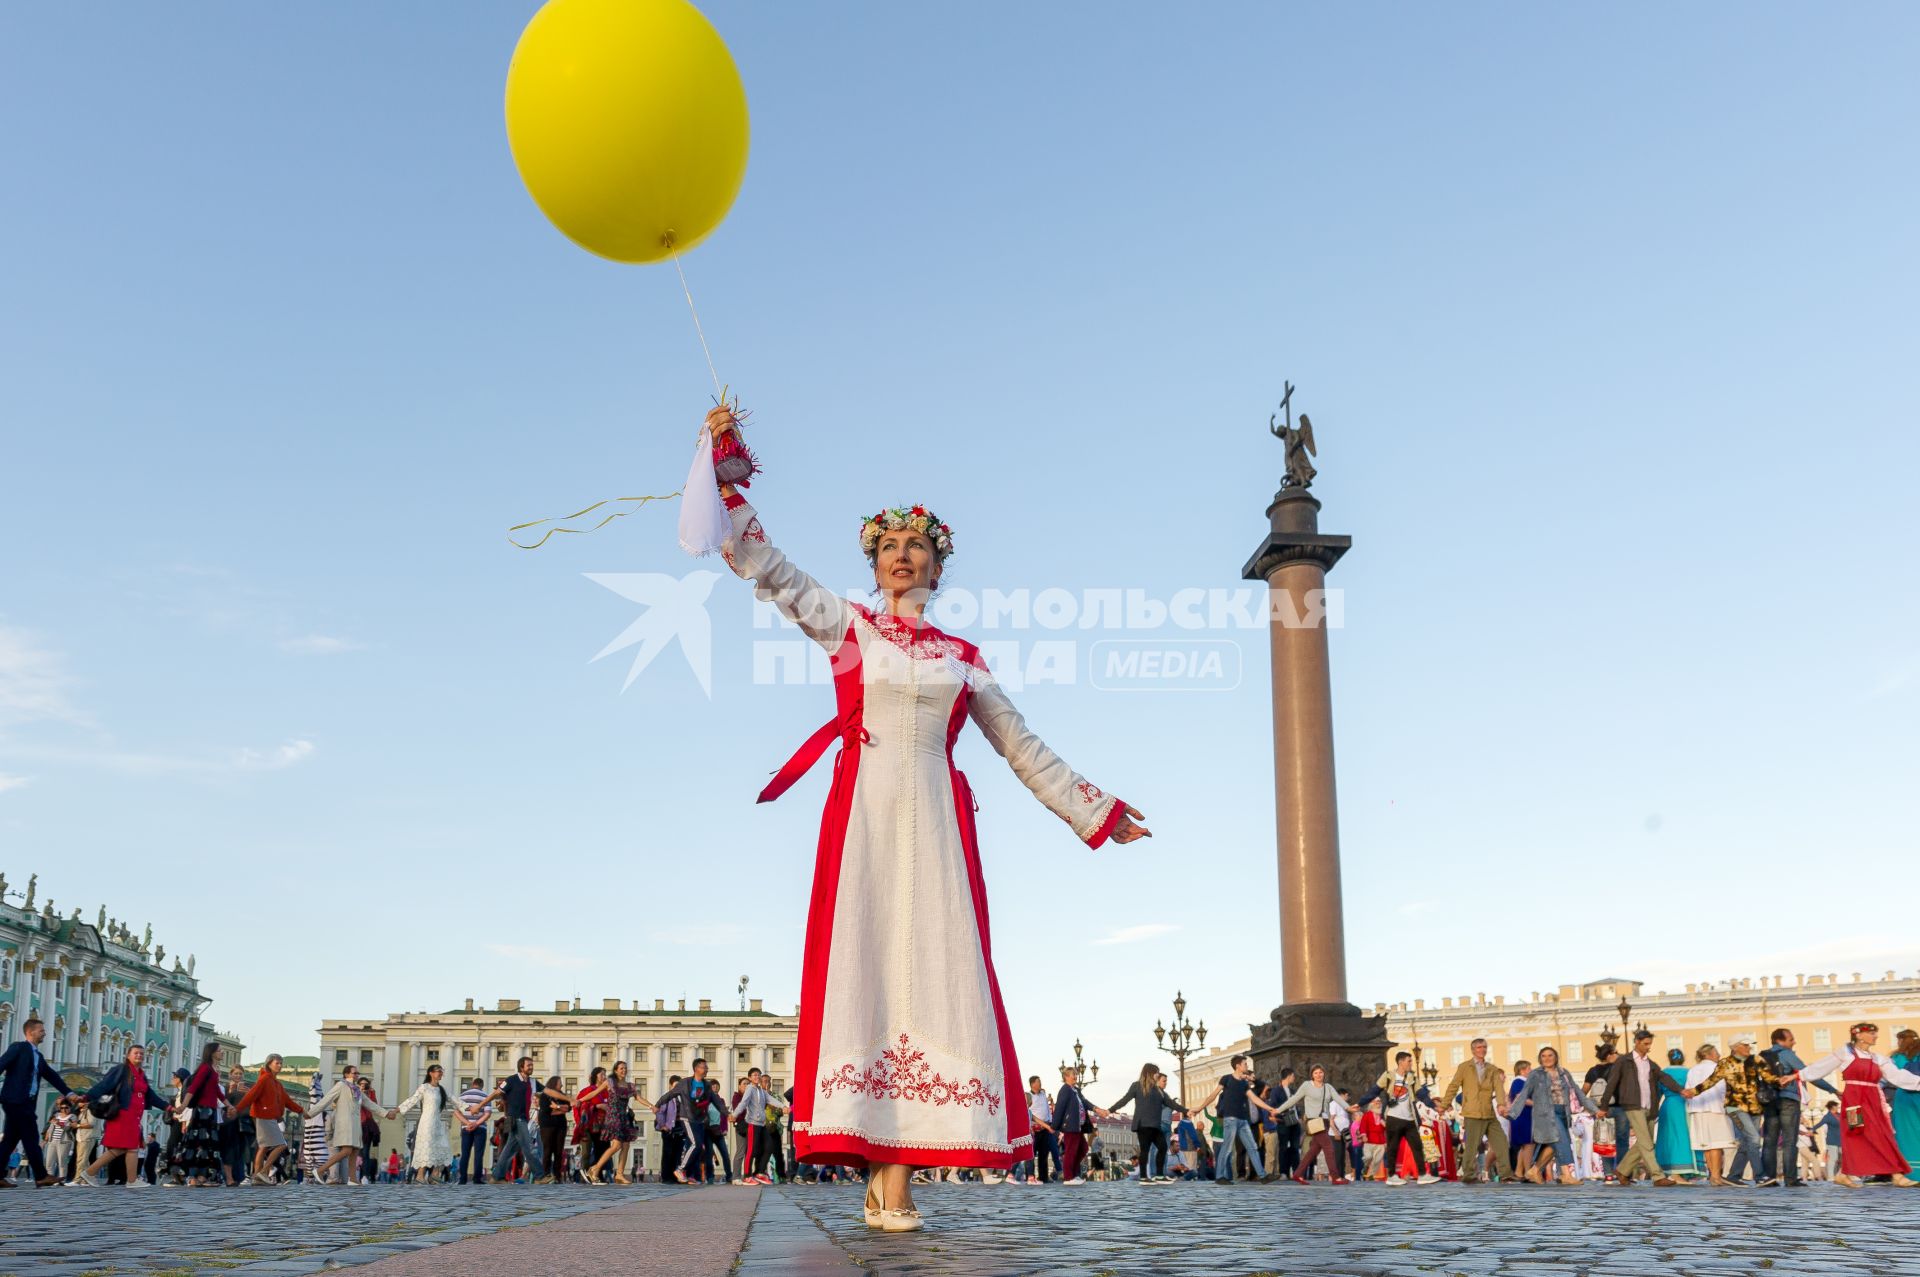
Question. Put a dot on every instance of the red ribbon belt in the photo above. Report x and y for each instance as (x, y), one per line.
(849, 731)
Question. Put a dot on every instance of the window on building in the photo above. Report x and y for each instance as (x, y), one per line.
(433, 1055)
(500, 1055)
(1823, 1039)
(466, 1055)
(1459, 1055)
(673, 1054)
(639, 1055)
(340, 1056)
(570, 1082)
(1576, 1051)
(606, 1055)
(640, 1088)
(743, 1056)
(710, 1052)
(573, 1057)
(366, 1058)
(1675, 1042)
(779, 1055)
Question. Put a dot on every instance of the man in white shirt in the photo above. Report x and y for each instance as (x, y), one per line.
(1046, 1145)
(1397, 1088)
(1340, 1115)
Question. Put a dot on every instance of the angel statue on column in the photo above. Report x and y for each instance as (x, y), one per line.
(905, 1058)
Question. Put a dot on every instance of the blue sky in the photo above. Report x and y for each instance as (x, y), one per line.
(1605, 320)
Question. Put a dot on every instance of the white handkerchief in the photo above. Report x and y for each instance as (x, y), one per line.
(704, 523)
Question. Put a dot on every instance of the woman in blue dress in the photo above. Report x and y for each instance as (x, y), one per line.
(1906, 1104)
(1673, 1143)
(1520, 1123)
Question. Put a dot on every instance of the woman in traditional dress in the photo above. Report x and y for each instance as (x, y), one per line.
(432, 1145)
(121, 1135)
(905, 1057)
(1673, 1142)
(1707, 1122)
(617, 1127)
(1868, 1147)
(1906, 1104)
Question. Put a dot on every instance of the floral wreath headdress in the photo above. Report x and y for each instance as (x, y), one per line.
(914, 518)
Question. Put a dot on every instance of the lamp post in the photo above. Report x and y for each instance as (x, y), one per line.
(1625, 1009)
(1087, 1072)
(743, 993)
(1180, 1039)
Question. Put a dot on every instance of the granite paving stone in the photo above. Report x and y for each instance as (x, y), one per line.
(1110, 1230)
(1125, 1230)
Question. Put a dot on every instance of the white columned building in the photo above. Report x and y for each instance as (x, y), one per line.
(657, 1042)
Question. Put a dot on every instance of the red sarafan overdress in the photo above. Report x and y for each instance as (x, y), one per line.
(904, 1054)
(1869, 1148)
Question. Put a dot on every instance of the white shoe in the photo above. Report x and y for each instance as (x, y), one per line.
(1395, 1180)
(83, 1181)
(1428, 1179)
(139, 1183)
(901, 1221)
(1075, 1180)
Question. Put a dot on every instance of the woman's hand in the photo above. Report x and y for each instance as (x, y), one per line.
(721, 421)
(1128, 829)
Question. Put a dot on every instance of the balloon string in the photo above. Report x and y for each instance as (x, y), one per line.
(699, 331)
(567, 518)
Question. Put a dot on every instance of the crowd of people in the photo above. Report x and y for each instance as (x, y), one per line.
(1761, 1117)
(216, 1126)
(1746, 1118)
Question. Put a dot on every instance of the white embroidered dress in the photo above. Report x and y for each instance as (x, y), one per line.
(432, 1145)
(904, 1054)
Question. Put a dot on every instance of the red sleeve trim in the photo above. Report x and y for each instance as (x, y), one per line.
(734, 500)
(1114, 813)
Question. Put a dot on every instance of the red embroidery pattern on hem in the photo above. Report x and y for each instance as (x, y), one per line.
(1089, 793)
(902, 1073)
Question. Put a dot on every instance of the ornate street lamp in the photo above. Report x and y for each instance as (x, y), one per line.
(1088, 1072)
(1181, 1038)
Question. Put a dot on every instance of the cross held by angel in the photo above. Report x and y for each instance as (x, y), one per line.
(1298, 442)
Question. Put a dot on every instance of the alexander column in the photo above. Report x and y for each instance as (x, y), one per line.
(1314, 1024)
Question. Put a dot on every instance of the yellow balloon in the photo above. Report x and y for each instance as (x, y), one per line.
(628, 124)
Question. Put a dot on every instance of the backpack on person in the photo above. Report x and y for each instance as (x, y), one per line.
(1763, 1090)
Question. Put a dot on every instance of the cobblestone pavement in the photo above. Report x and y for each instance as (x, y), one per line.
(1363, 1231)
(978, 1230)
(66, 1232)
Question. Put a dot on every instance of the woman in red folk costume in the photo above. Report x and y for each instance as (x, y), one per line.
(904, 1056)
(1867, 1145)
